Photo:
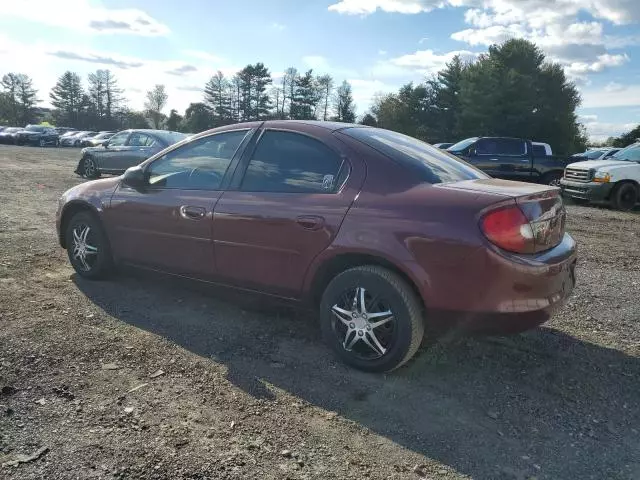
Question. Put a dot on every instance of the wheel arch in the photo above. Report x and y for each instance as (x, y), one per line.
(622, 182)
(69, 211)
(328, 268)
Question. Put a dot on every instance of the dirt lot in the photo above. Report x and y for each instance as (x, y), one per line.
(142, 377)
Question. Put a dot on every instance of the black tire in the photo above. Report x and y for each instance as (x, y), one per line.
(400, 337)
(42, 142)
(624, 197)
(89, 168)
(551, 178)
(95, 266)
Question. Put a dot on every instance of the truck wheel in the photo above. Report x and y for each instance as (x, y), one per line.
(371, 318)
(625, 197)
(551, 178)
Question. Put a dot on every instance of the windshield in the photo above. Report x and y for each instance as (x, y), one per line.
(170, 137)
(629, 154)
(431, 164)
(103, 135)
(461, 145)
(34, 128)
(593, 154)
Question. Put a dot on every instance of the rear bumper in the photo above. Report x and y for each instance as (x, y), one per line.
(591, 191)
(499, 292)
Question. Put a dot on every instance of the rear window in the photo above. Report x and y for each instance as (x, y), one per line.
(431, 164)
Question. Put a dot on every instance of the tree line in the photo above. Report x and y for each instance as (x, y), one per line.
(512, 90)
(250, 94)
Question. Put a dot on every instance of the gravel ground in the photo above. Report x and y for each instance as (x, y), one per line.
(141, 377)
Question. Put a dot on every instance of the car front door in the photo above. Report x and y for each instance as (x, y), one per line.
(108, 156)
(139, 147)
(167, 224)
(515, 159)
(484, 156)
(284, 206)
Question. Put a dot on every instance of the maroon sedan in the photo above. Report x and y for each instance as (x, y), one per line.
(385, 234)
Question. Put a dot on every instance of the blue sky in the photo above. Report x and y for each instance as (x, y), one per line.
(377, 45)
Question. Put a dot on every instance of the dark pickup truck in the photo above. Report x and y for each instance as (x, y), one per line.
(511, 159)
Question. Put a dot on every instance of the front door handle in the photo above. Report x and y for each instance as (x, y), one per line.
(310, 222)
(192, 213)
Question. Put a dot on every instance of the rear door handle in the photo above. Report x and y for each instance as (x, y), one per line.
(192, 213)
(310, 222)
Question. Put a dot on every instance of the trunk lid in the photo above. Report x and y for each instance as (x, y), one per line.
(541, 205)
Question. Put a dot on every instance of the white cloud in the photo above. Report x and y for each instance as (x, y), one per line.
(278, 26)
(579, 69)
(587, 118)
(44, 63)
(382, 52)
(366, 7)
(614, 87)
(202, 55)
(429, 62)
(81, 15)
(627, 96)
(365, 90)
(600, 131)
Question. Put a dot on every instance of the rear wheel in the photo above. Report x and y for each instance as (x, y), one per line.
(90, 168)
(551, 178)
(42, 142)
(625, 197)
(88, 247)
(371, 318)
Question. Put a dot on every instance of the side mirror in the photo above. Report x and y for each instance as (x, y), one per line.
(105, 144)
(134, 177)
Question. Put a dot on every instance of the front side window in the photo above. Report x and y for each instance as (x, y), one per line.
(119, 140)
(200, 165)
(288, 162)
(140, 140)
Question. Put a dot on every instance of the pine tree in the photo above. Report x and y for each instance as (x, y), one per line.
(447, 98)
(67, 96)
(217, 98)
(325, 87)
(344, 107)
(20, 98)
(305, 97)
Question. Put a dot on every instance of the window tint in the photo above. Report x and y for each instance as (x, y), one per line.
(539, 151)
(290, 162)
(140, 140)
(118, 140)
(511, 146)
(487, 146)
(430, 164)
(199, 165)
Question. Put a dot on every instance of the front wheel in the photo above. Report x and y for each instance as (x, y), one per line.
(552, 178)
(88, 247)
(371, 318)
(625, 197)
(90, 168)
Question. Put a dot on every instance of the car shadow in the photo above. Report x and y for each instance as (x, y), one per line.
(538, 405)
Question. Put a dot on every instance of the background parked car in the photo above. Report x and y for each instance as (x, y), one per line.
(73, 139)
(37, 135)
(443, 146)
(510, 158)
(62, 130)
(594, 154)
(9, 134)
(96, 140)
(614, 180)
(125, 149)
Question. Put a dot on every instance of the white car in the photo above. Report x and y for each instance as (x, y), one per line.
(615, 180)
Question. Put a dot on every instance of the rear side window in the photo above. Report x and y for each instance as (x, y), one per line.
(291, 163)
(539, 151)
(429, 163)
(511, 146)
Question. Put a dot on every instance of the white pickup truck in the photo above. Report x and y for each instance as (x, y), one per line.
(615, 180)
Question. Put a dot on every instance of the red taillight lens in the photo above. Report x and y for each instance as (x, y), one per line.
(509, 229)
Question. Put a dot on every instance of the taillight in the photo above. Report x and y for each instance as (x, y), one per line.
(529, 226)
(509, 229)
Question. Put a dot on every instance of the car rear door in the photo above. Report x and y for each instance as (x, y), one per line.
(168, 224)
(285, 206)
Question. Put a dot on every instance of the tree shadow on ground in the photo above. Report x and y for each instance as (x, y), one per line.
(542, 404)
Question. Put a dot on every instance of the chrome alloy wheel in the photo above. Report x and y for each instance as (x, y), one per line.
(363, 323)
(83, 251)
